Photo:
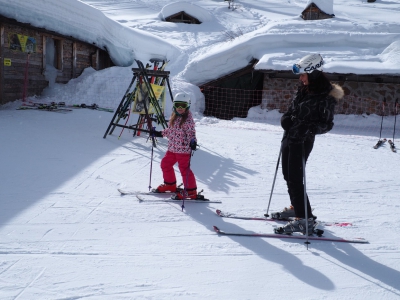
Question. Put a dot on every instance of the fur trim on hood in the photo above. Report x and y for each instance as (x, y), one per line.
(337, 91)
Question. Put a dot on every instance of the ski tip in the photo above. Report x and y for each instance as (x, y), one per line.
(140, 199)
(121, 192)
(216, 229)
(343, 224)
(362, 241)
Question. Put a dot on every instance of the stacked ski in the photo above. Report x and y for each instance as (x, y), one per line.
(44, 107)
(93, 106)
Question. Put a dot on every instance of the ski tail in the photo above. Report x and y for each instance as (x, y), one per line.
(379, 143)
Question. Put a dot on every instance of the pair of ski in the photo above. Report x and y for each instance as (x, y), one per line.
(382, 141)
(141, 196)
(53, 106)
(45, 107)
(93, 106)
(319, 232)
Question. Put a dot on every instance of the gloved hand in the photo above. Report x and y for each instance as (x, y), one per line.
(193, 144)
(286, 122)
(156, 133)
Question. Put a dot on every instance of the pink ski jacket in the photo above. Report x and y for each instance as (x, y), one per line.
(179, 137)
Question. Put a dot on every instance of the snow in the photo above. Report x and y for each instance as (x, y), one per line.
(81, 21)
(66, 233)
(325, 5)
(194, 10)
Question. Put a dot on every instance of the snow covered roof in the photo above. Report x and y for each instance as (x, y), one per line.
(194, 10)
(325, 5)
(88, 24)
(367, 42)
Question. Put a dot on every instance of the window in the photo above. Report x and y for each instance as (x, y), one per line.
(54, 53)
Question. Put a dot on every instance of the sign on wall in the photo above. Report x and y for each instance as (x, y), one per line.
(23, 43)
(7, 62)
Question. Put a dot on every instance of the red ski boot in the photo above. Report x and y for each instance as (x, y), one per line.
(165, 187)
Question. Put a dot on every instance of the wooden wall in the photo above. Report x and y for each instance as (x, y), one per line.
(12, 76)
(73, 57)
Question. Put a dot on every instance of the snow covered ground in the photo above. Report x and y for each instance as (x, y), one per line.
(66, 233)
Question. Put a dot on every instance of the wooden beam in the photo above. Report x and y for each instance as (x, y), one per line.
(2, 64)
(74, 49)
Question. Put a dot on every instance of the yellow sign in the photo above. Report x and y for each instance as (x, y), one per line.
(7, 62)
(142, 99)
(23, 43)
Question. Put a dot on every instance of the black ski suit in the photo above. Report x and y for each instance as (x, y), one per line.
(309, 114)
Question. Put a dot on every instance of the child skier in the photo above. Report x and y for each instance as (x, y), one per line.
(182, 141)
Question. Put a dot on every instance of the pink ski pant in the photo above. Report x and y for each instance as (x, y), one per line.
(183, 160)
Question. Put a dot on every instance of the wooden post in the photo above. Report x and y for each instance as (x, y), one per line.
(74, 50)
(26, 79)
(2, 65)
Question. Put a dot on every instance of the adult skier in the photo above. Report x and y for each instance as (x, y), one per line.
(310, 113)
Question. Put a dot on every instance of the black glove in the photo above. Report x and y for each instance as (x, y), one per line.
(286, 122)
(156, 133)
(193, 144)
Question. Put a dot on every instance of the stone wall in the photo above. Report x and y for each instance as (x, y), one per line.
(360, 97)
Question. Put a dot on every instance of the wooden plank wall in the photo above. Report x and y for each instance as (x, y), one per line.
(13, 75)
(74, 57)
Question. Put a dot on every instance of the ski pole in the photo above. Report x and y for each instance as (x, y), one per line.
(383, 113)
(396, 104)
(305, 194)
(187, 180)
(151, 161)
(127, 119)
(273, 183)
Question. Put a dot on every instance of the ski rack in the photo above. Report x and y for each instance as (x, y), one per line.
(143, 76)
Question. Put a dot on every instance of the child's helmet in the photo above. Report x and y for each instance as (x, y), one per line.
(308, 64)
(182, 98)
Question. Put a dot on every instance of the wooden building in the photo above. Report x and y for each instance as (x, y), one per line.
(313, 12)
(232, 95)
(27, 52)
(182, 17)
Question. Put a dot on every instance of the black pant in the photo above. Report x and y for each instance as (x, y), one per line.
(292, 169)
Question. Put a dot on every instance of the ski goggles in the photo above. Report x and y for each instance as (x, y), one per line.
(182, 105)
